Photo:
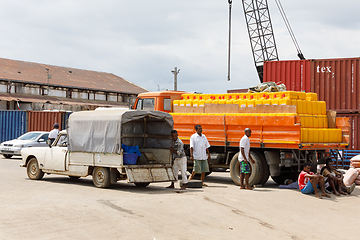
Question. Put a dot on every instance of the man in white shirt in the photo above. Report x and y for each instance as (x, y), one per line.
(199, 147)
(54, 133)
(244, 157)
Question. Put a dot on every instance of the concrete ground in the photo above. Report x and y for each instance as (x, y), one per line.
(60, 208)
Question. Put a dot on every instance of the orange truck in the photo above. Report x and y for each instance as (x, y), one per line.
(288, 129)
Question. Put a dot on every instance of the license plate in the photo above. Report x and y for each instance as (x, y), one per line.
(6, 149)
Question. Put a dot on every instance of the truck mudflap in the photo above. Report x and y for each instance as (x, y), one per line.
(149, 173)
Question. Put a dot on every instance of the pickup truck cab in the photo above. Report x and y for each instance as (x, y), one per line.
(92, 145)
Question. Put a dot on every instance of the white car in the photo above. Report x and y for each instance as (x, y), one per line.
(30, 139)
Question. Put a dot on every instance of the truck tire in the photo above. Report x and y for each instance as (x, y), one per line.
(142, 184)
(266, 171)
(33, 171)
(101, 177)
(257, 169)
(7, 155)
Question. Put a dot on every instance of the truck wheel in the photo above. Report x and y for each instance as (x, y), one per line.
(256, 169)
(101, 177)
(33, 170)
(7, 155)
(266, 172)
(142, 184)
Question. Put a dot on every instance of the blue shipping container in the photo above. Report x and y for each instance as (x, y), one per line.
(65, 117)
(13, 124)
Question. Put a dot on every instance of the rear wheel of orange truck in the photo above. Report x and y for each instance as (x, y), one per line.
(257, 169)
(266, 171)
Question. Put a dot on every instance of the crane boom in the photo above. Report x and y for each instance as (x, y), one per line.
(261, 33)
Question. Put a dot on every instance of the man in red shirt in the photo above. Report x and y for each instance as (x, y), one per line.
(308, 182)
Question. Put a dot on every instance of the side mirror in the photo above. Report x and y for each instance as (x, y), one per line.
(48, 142)
(41, 140)
(131, 107)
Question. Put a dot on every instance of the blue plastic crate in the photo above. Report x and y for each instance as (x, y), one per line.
(130, 158)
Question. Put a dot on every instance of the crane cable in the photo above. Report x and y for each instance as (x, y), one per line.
(230, 5)
(287, 23)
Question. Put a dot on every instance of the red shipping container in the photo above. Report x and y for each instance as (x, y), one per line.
(295, 74)
(43, 121)
(336, 81)
(354, 136)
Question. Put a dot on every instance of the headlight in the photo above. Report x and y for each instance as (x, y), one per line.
(1, 144)
(19, 146)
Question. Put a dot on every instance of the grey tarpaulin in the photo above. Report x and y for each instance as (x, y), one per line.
(100, 131)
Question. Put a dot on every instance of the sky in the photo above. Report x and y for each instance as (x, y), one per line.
(142, 41)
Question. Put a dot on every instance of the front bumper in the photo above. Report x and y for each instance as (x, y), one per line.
(10, 151)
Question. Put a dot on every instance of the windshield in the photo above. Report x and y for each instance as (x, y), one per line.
(62, 141)
(29, 136)
(146, 104)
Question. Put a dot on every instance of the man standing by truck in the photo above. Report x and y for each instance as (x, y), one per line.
(178, 154)
(199, 147)
(244, 158)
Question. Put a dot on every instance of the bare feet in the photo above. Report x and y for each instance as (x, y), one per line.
(343, 193)
(318, 196)
(204, 184)
(249, 188)
(336, 193)
(242, 187)
(325, 195)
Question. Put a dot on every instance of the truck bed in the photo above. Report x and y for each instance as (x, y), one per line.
(280, 132)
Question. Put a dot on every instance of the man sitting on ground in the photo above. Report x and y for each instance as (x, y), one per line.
(308, 182)
(334, 178)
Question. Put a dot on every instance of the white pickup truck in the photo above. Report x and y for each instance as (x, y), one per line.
(92, 146)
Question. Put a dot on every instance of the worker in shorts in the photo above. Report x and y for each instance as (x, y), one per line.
(199, 147)
(244, 158)
(178, 154)
(54, 133)
(309, 182)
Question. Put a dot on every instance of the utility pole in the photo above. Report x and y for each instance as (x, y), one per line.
(175, 72)
(48, 80)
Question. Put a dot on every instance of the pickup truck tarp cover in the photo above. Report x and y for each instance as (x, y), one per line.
(100, 131)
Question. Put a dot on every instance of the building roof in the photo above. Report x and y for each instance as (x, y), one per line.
(58, 100)
(36, 73)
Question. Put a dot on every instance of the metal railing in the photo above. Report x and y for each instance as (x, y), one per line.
(342, 158)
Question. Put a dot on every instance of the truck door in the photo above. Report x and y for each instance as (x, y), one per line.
(55, 157)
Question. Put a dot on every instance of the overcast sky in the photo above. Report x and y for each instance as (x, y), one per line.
(142, 41)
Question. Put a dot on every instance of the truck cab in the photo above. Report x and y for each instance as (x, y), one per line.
(158, 101)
